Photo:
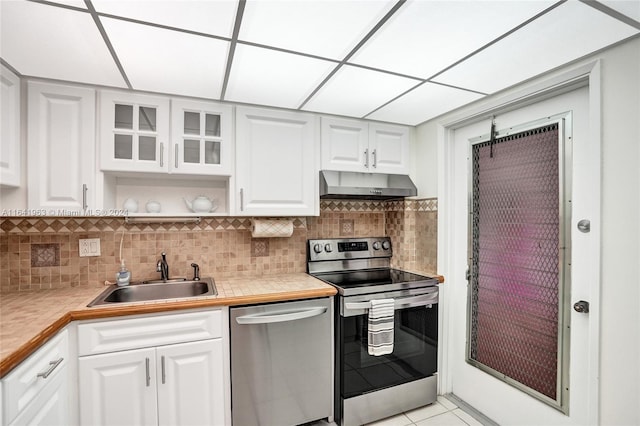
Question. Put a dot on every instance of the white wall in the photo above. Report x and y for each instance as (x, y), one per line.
(620, 281)
(620, 326)
(426, 164)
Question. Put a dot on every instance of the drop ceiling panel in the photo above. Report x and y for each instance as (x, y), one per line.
(631, 8)
(569, 32)
(168, 61)
(355, 91)
(209, 17)
(425, 37)
(330, 29)
(75, 3)
(424, 103)
(54, 42)
(269, 77)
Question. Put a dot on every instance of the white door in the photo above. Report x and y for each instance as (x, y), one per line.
(388, 149)
(51, 407)
(134, 132)
(498, 400)
(118, 388)
(190, 384)
(276, 163)
(345, 145)
(61, 148)
(201, 138)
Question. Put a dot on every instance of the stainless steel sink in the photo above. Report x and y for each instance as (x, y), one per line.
(155, 290)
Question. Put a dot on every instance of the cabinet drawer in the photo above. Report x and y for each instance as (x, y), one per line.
(28, 380)
(122, 334)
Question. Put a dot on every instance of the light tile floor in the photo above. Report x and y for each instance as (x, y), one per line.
(443, 412)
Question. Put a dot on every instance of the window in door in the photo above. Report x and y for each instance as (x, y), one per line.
(517, 253)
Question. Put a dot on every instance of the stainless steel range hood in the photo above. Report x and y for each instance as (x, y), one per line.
(365, 186)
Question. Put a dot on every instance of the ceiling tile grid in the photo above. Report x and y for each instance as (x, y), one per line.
(55, 42)
(568, 32)
(354, 91)
(330, 29)
(204, 16)
(270, 77)
(424, 37)
(161, 60)
(424, 103)
(396, 61)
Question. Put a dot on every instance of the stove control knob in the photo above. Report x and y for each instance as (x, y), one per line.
(386, 245)
(328, 248)
(376, 245)
(317, 248)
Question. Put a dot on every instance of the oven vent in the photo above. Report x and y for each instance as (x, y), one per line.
(365, 186)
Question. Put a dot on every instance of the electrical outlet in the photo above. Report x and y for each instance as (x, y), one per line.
(90, 247)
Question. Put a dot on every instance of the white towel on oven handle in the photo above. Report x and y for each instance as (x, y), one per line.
(380, 327)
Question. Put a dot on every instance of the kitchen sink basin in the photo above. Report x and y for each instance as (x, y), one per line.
(156, 290)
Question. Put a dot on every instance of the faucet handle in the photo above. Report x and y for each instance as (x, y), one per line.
(196, 272)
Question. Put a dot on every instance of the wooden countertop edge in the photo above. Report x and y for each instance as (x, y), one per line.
(12, 360)
(19, 355)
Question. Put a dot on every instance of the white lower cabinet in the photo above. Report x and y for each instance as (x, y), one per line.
(37, 391)
(52, 405)
(117, 388)
(166, 384)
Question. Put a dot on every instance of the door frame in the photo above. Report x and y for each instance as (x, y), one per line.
(534, 91)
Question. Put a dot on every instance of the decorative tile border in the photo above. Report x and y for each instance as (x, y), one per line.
(63, 225)
(352, 206)
(49, 225)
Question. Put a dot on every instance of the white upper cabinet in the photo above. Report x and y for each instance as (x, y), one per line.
(10, 128)
(201, 138)
(61, 148)
(389, 148)
(276, 163)
(359, 146)
(134, 132)
(345, 145)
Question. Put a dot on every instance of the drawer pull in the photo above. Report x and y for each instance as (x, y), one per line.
(52, 366)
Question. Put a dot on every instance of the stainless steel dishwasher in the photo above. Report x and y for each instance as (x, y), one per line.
(282, 363)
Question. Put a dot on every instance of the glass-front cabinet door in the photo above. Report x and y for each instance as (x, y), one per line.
(201, 138)
(134, 132)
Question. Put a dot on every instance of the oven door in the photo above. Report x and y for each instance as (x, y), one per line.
(415, 343)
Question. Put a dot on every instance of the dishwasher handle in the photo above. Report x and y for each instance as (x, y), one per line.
(273, 317)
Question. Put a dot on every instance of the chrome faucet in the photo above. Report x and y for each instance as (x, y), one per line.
(163, 267)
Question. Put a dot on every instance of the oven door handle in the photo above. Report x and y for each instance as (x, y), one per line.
(271, 317)
(400, 303)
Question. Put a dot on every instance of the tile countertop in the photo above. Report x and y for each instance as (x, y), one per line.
(30, 318)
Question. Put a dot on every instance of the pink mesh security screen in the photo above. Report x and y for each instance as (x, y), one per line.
(515, 277)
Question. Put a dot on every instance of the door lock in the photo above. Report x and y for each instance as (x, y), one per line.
(584, 226)
(581, 307)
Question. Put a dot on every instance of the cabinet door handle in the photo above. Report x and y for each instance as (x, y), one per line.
(241, 199)
(52, 366)
(375, 158)
(366, 158)
(176, 160)
(163, 370)
(161, 154)
(84, 196)
(148, 372)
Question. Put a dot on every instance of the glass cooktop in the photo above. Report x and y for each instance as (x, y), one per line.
(374, 280)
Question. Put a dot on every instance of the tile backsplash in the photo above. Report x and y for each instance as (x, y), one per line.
(42, 252)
